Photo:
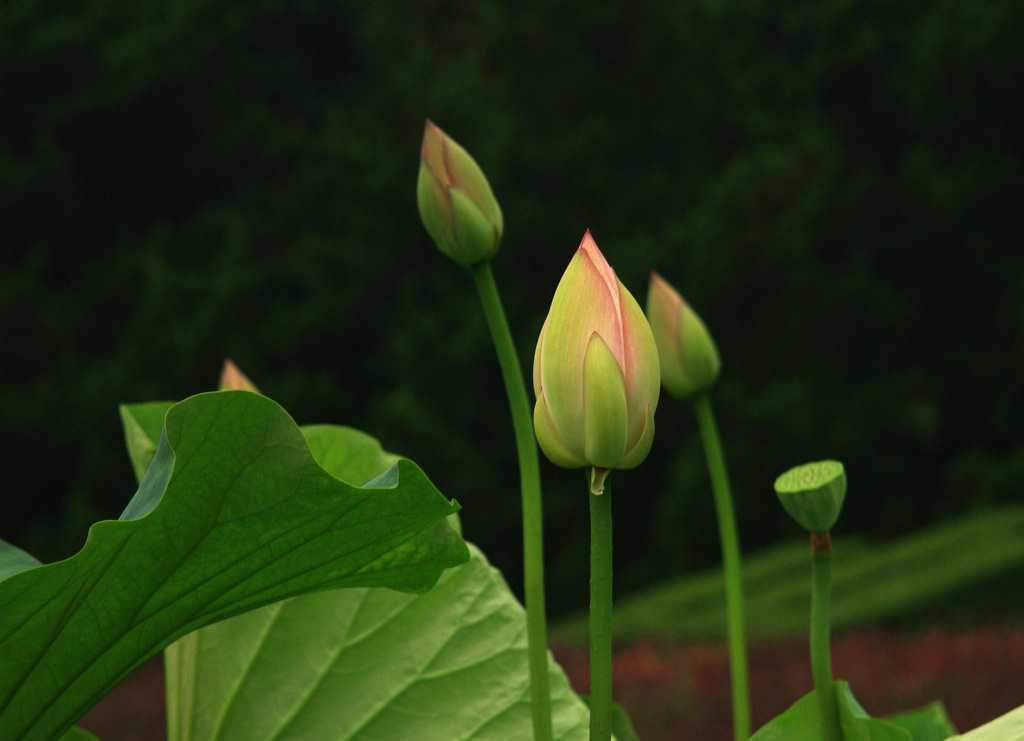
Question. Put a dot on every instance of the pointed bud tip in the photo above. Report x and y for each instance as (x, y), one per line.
(431, 127)
(432, 131)
(432, 149)
(588, 245)
(662, 286)
(593, 253)
(232, 379)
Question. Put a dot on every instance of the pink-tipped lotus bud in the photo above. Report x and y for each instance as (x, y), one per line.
(689, 358)
(456, 204)
(595, 371)
(232, 379)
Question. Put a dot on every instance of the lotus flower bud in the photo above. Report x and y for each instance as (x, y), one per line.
(595, 372)
(689, 358)
(232, 379)
(456, 204)
(813, 494)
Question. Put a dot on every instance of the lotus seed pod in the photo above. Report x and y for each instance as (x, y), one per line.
(813, 494)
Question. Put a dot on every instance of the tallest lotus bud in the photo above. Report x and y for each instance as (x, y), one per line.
(595, 372)
(456, 204)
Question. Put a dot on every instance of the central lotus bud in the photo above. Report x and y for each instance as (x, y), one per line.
(595, 371)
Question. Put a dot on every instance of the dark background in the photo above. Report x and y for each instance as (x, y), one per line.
(835, 186)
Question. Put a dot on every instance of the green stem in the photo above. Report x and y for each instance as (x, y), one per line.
(533, 517)
(731, 564)
(821, 661)
(601, 615)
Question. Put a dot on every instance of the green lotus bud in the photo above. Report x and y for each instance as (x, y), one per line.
(456, 204)
(689, 358)
(813, 494)
(595, 372)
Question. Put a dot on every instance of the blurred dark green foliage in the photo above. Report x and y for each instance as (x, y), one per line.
(954, 572)
(836, 187)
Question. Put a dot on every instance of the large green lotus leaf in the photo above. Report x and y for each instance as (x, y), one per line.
(233, 514)
(367, 663)
(802, 722)
(78, 734)
(13, 560)
(143, 425)
(929, 723)
(1009, 727)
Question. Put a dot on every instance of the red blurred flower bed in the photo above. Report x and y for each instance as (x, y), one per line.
(681, 691)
